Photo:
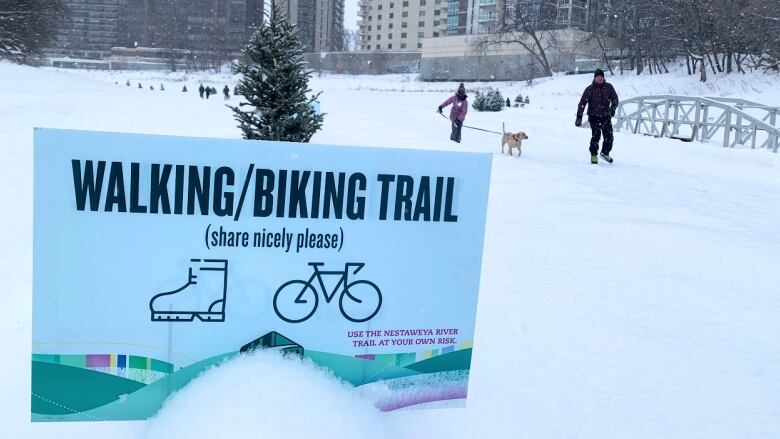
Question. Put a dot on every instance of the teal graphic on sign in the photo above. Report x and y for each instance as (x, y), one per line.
(157, 257)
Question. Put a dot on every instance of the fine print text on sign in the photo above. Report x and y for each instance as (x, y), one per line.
(156, 257)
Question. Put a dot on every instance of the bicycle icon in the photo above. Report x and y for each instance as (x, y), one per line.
(297, 300)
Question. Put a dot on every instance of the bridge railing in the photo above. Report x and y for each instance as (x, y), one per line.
(766, 113)
(703, 119)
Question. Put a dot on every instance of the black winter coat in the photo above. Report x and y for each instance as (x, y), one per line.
(601, 100)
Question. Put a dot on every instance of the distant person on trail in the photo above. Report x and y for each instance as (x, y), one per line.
(201, 90)
(226, 92)
(602, 101)
(460, 106)
(208, 92)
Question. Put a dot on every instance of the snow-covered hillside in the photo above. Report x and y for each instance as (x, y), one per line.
(633, 300)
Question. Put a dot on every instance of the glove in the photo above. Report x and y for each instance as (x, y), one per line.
(578, 122)
(439, 110)
(611, 112)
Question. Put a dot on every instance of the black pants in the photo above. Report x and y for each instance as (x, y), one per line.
(456, 127)
(600, 125)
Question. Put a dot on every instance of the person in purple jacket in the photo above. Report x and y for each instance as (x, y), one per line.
(460, 106)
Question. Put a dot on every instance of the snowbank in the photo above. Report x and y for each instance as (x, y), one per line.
(267, 395)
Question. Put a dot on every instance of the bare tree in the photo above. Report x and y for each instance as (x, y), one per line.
(723, 34)
(26, 26)
(599, 35)
(521, 29)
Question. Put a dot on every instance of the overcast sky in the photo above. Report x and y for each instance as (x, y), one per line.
(350, 14)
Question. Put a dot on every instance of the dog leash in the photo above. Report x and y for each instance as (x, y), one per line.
(474, 128)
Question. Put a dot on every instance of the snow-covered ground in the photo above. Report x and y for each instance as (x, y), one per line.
(634, 300)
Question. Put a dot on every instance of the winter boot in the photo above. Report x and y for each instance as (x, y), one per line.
(594, 159)
(202, 296)
(606, 157)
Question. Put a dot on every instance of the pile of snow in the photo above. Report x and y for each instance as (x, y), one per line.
(265, 395)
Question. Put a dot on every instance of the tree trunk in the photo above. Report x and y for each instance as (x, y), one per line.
(752, 63)
(739, 60)
(728, 62)
(717, 62)
(712, 65)
(703, 70)
(688, 64)
(542, 56)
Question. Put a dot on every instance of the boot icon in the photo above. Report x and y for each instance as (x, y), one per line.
(202, 296)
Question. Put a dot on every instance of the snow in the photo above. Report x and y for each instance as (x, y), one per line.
(632, 300)
(280, 397)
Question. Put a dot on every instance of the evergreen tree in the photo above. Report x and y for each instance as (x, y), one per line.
(275, 85)
(479, 101)
(495, 102)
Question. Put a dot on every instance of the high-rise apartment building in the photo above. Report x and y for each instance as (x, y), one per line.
(98, 25)
(222, 26)
(457, 17)
(302, 13)
(490, 16)
(572, 14)
(93, 26)
(400, 25)
(485, 16)
(329, 30)
(320, 23)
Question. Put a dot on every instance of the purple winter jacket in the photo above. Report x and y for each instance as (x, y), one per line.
(459, 108)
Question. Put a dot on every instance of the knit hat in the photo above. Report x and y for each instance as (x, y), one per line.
(461, 90)
(598, 72)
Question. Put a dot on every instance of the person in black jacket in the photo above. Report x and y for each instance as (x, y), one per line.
(602, 101)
